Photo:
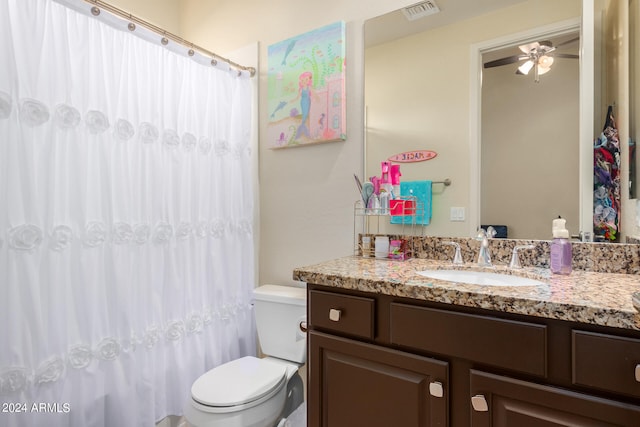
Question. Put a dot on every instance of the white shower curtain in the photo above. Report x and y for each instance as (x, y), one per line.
(126, 213)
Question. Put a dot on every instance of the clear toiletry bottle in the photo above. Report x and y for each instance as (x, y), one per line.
(561, 254)
(366, 246)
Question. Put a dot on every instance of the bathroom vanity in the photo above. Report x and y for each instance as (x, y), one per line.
(388, 347)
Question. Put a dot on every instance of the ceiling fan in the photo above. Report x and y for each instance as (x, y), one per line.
(539, 56)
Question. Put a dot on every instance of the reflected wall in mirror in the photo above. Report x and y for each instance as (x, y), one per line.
(529, 162)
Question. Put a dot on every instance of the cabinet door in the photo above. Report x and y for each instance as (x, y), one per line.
(500, 402)
(357, 384)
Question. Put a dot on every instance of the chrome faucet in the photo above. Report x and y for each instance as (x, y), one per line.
(515, 259)
(484, 257)
(457, 257)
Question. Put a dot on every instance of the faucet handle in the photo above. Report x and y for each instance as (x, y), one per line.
(515, 258)
(488, 233)
(457, 258)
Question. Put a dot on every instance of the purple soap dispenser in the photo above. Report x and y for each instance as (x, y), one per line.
(561, 254)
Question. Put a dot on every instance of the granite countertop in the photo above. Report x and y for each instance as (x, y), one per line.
(587, 297)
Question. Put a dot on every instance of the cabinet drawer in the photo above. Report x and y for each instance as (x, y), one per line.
(503, 343)
(606, 362)
(344, 314)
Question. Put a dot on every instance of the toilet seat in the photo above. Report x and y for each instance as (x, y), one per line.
(239, 384)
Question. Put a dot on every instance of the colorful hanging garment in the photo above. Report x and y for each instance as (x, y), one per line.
(606, 182)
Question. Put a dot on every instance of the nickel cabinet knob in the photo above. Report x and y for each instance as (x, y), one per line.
(334, 314)
(436, 389)
(479, 403)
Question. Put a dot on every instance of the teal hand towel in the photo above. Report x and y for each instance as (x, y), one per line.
(422, 191)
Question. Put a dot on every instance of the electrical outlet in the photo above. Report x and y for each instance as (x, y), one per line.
(457, 214)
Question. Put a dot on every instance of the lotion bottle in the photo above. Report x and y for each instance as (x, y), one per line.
(561, 254)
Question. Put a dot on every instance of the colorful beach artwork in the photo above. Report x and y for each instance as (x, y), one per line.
(306, 81)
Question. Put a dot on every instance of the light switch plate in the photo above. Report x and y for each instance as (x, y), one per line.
(457, 214)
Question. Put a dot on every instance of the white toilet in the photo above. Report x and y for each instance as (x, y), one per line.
(252, 392)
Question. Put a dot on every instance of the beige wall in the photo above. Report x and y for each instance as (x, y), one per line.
(162, 13)
(306, 193)
(427, 104)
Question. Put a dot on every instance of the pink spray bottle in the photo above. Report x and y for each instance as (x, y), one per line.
(396, 204)
(385, 187)
(395, 181)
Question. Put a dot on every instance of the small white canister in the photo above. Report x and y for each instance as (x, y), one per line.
(382, 247)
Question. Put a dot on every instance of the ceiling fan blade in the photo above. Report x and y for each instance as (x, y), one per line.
(567, 42)
(505, 61)
(565, 55)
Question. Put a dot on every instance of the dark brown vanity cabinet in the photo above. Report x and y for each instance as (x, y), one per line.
(353, 382)
(378, 360)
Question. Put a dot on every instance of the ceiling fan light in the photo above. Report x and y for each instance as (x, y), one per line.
(545, 61)
(543, 70)
(525, 68)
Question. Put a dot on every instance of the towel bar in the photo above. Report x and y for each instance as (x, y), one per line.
(446, 182)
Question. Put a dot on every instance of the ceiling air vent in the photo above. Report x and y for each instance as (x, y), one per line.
(420, 10)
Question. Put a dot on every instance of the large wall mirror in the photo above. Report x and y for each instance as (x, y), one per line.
(419, 95)
(634, 98)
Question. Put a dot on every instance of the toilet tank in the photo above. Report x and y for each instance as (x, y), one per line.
(279, 311)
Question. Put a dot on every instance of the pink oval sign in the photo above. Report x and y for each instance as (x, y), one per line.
(413, 156)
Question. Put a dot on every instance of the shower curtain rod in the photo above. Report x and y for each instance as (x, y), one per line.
(166, 36)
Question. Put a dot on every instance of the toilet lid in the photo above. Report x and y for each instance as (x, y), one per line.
(238, 382)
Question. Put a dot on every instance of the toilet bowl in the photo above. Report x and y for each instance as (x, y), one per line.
(251, 391)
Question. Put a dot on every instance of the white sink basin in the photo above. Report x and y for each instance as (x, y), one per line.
(483, 278)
